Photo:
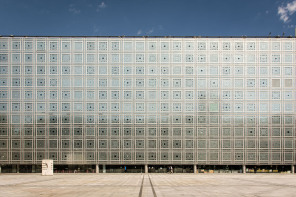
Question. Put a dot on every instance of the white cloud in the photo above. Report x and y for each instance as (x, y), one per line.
(73, 10)
(283, 14)
(139, 32)
(291, 7)
(286, 11)
(150, 31)
(102, 5)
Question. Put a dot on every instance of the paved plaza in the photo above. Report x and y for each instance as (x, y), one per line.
(148, 185)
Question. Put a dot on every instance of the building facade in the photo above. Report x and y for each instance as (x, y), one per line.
(147, 100)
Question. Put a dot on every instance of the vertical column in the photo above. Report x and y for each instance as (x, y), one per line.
(244, 169)
(292, 169)
(17, 168)
(194, 169)
(146, 168)
(104, 168)
(97, 168)
(33, 168)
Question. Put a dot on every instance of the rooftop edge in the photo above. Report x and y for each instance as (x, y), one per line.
(123, 36)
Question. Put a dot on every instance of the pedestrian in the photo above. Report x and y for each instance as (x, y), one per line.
(125, 169)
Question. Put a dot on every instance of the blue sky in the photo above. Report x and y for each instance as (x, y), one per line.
(147, 17)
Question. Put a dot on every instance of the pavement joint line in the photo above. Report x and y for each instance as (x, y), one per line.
(141, 189)
(152, 186)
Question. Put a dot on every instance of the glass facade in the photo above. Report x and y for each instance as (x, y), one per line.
(153, 100)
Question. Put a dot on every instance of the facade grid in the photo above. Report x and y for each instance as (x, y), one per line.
(123, 100)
